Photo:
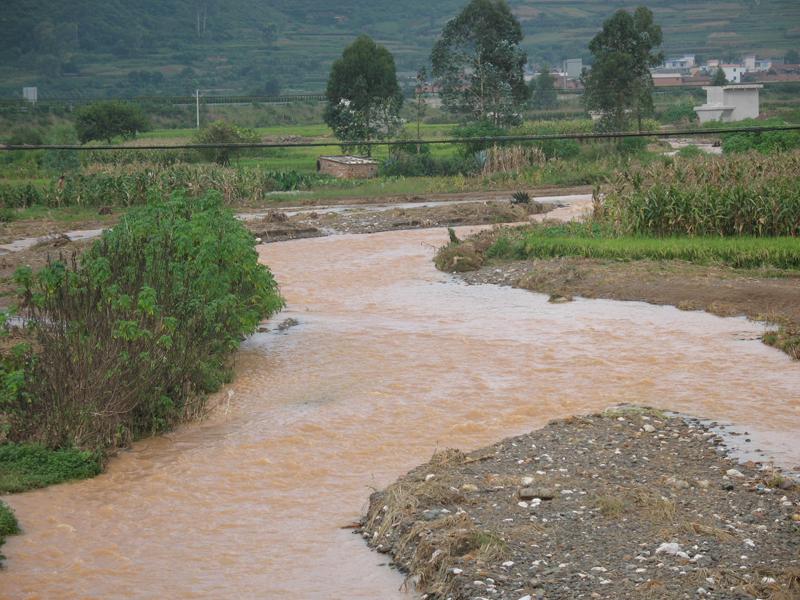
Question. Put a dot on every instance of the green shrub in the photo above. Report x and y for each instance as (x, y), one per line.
(28, 466)
(221, 132)
(481, 129)
(8, 524)
(131, 336)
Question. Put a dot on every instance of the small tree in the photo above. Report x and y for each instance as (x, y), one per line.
(364, 98)
(792, 57)
(419, 91)
(619, 81)
(544, 90)
(479, 63)
(719, 77)
(108, 119)
(221, 132)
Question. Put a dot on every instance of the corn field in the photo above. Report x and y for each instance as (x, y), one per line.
(748, 194)
(130, 185)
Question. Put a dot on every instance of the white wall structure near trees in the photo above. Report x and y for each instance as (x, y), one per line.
(728, 103)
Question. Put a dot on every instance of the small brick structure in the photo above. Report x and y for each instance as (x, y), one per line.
(347, 167)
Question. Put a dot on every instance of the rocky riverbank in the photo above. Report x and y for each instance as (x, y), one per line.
(631, 503)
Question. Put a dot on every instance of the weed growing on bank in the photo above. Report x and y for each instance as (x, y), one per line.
(27, 466)
(8, 524)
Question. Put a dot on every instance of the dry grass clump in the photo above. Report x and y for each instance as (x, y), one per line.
(512, 159)
(611, 506)
(767, 584)
(458, 258)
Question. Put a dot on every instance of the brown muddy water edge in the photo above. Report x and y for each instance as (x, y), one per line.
(768, 295)
(630, 503)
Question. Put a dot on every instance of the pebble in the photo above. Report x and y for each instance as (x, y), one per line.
(669, 548)
(648, 428)
(469, 487)
(734, 473)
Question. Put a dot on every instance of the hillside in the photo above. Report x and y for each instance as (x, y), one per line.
(112, 47)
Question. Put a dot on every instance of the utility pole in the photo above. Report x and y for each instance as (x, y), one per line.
(197, 106)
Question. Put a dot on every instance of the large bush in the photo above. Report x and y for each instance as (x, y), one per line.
(130, 336)
(222, 132)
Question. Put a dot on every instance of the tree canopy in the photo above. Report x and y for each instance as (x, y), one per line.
(364, 98)
(108, 119)
(719, 77)
(479, 63)
(619, 83)
(544, 89)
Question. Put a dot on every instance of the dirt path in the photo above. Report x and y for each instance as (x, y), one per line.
(628, 504)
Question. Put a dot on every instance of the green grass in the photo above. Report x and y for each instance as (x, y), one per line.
(738, 252)
(28, 466)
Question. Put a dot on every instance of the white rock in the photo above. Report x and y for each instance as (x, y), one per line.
(508, 563)
(750, 543)
(605, 581)
(527, 480)
(669, 548)
(599, 569)
(767, 580)
(522, 504)
(648, 428)
(429, 476)
(734, 473)
(526, 597)
(456, 571)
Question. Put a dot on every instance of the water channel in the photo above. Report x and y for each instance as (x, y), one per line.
(390, 361)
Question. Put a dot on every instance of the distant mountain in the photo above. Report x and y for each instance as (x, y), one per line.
(123, 48)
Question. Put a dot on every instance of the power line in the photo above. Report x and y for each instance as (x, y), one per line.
(371, 143)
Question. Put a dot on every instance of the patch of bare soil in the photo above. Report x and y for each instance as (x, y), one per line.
(278, 226)
(35, 228)
(766, 295)
(35, 258)
(632, 503)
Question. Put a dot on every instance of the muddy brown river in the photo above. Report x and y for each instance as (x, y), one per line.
(391, 360)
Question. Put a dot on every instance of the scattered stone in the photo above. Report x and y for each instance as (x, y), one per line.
(648, 428)
(734, 473)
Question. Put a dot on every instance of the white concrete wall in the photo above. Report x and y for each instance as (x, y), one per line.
(733, 74)
(744, 102)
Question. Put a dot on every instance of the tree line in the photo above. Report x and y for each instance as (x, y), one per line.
(477, 64)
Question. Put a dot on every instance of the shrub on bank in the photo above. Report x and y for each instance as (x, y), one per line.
(130, 337)
(8, 524)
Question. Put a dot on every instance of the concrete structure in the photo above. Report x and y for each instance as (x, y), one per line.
(728, 103)
(573, 67)
(347, 167)
(31, 94)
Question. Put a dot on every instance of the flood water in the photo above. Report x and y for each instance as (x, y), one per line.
(391, 360)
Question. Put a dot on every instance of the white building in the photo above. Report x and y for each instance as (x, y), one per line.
(31, 94)
(573, 67)
(680, 62)
(733, 73)
(728, 103)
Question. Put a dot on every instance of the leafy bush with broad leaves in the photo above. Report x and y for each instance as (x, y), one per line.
(132, 335)
(222, 132)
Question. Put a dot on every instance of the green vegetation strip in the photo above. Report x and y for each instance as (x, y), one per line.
(740, 252)
(27, 466)
(8, 524)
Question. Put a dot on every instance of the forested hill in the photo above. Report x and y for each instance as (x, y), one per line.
(121, 48)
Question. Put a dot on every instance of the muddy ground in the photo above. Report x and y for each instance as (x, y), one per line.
(278, 226)
(632, 503)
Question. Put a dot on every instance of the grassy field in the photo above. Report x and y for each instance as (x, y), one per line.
(738, 252)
